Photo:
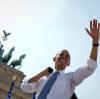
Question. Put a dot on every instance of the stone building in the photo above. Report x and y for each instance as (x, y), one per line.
(6, 77)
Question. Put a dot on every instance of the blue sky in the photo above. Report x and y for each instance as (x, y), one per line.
(40, 28)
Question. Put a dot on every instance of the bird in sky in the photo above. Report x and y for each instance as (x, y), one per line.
(5, 35)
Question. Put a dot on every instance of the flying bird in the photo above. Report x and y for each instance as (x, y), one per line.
(5, 35)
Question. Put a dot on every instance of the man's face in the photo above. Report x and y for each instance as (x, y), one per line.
(62, 60)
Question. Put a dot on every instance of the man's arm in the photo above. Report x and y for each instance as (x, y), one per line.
(38, 76)
(94, 33)
(83, 72)
(31, 85)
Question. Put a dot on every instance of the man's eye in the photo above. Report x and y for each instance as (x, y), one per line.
(61, 54)
(67, 55)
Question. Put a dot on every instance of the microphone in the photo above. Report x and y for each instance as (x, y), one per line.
(50, 70)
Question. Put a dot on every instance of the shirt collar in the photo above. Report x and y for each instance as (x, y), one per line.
(61, 72)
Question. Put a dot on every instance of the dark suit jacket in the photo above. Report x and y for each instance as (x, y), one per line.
(74, 96)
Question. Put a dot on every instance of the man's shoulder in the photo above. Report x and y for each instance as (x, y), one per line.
(69, 74)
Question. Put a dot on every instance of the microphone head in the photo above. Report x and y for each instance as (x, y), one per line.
(50, 70)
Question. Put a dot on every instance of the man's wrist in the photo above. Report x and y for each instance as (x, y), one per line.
(95, 44)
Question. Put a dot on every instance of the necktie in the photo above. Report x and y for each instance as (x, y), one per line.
(48, 86)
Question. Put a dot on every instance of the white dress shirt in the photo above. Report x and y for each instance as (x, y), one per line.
(65, 84)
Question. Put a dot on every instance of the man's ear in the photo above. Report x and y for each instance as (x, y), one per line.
(69, 63)
(54, 58)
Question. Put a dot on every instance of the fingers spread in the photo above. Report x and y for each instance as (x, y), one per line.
(88, 32)
(90, 25)
(99, 27)
(95, 24)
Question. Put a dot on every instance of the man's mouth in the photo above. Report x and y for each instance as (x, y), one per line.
(62, 60)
